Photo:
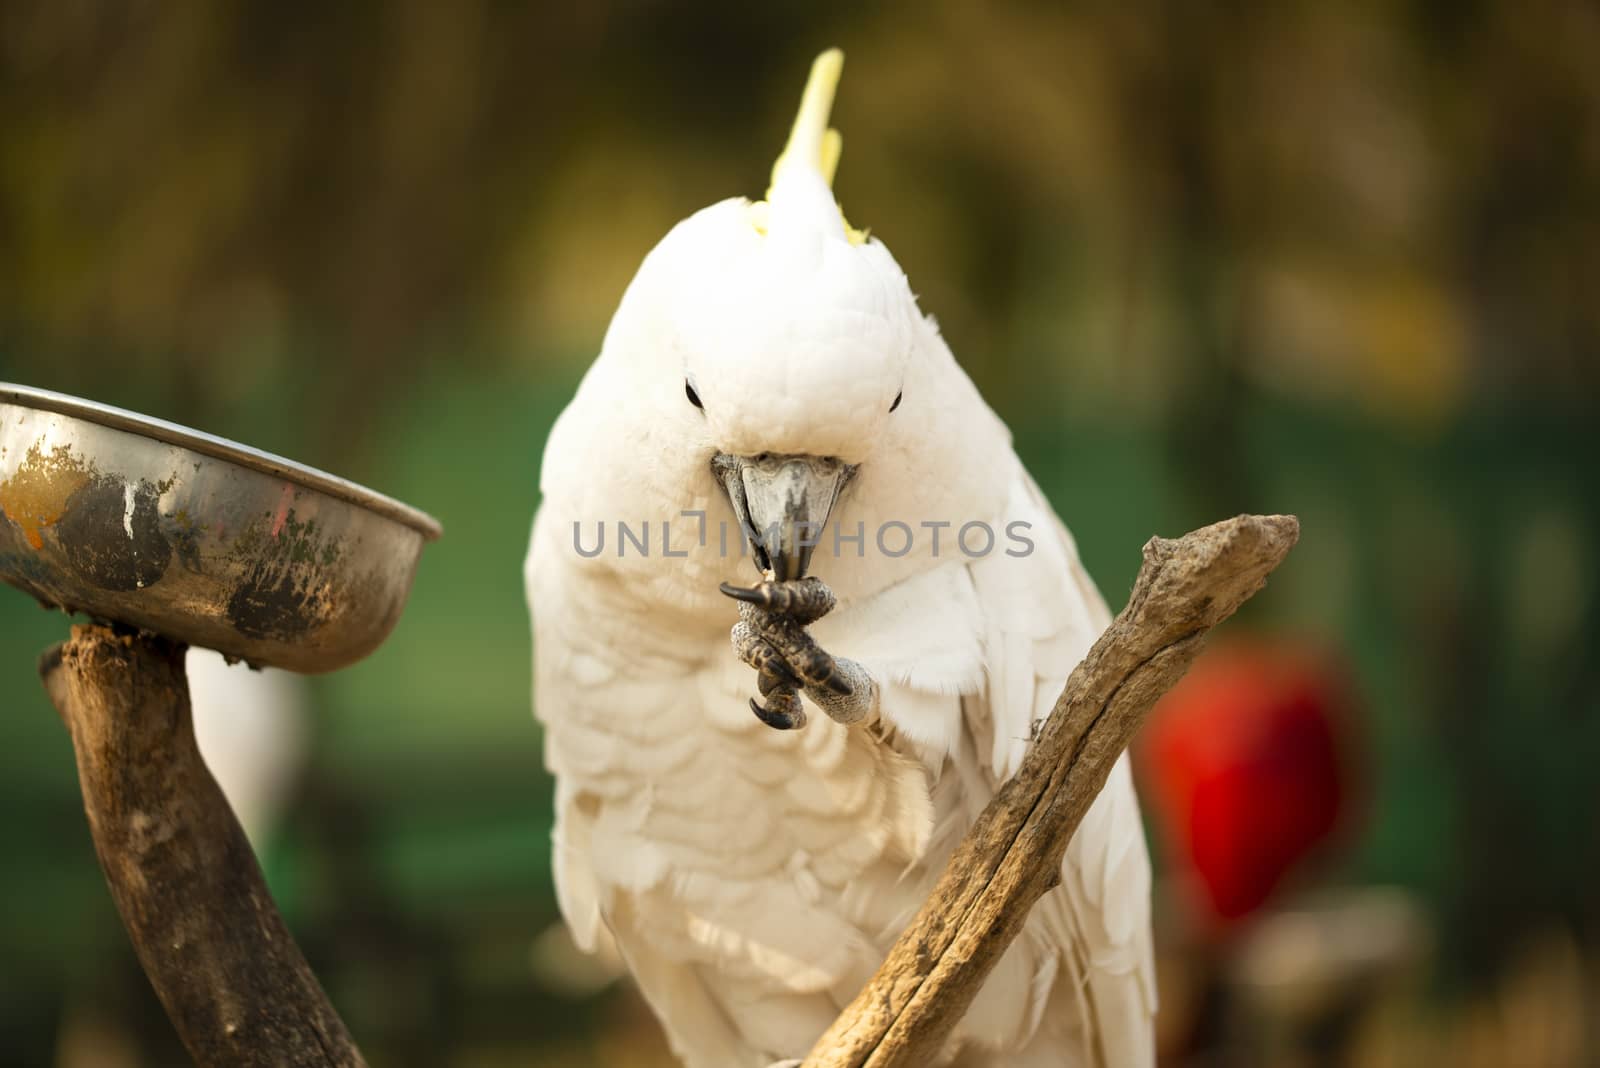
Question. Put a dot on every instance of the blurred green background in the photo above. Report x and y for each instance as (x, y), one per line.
(1323, 258)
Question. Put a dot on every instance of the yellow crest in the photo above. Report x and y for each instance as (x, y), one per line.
(813, 145)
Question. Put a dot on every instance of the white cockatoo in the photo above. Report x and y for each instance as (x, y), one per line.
(768, 374)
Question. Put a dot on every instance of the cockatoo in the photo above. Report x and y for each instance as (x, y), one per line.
(772, 419)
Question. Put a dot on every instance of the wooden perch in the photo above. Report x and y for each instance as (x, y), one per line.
(1012, 855)
(190, 892)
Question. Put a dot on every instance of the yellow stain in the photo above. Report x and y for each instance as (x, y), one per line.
(36, 495)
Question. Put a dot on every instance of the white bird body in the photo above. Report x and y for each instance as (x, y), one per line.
(253, 729)
(753, 878)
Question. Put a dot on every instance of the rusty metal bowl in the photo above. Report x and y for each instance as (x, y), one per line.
(150, 524)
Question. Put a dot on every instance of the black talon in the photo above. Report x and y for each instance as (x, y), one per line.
(777, 720)
(838, 685)
(743, 593)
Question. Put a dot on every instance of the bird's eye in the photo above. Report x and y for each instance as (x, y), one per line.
(897, 397)
(694, 398)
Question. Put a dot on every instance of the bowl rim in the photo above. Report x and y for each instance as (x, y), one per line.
(221, 449)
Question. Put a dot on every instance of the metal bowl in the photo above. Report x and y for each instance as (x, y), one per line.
(197, 538)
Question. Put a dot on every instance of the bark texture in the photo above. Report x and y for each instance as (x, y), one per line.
(1012, 855)
(183, 876)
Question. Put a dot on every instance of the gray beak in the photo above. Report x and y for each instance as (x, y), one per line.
(783, 503)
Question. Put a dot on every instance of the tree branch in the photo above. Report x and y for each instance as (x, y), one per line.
(1012, 855)
(188, 887)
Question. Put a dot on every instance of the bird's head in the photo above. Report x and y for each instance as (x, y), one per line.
(779, 353)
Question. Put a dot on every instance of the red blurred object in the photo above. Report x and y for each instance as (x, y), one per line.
(1243, 764)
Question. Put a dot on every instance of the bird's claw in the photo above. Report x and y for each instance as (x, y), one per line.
(783, 710)
(802, 600)
(771, 637)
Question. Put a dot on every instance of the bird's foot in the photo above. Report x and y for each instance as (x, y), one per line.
(771, 637)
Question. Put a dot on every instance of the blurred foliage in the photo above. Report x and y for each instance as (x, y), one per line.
(1335, 259)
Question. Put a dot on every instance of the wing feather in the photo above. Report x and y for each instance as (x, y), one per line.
(1041, 613)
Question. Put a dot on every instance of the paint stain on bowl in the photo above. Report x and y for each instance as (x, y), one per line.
(111, 535)
(285, 591)
(36, 494)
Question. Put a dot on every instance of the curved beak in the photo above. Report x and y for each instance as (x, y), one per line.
(783, 503)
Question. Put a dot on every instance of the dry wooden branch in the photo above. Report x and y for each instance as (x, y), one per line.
(1012, 855)
(190, 892)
